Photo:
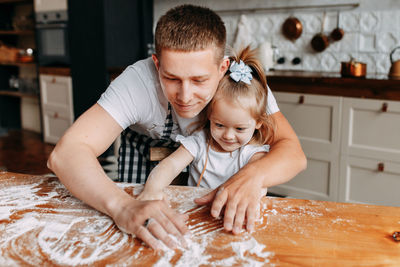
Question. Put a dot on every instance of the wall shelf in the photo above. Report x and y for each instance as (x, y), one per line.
(17, 94)
(6, 32)
(17, 64)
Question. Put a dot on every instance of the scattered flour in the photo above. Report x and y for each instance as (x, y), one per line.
(43, 225)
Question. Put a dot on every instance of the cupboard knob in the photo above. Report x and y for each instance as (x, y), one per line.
(381, 167)
(53, 80)
(384, 107)
(55, 115)
(301, 99)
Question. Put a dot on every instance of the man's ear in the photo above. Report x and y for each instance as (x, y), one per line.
(156, 61)
(223, 67)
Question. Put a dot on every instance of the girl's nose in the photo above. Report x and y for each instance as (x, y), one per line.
(228, 134)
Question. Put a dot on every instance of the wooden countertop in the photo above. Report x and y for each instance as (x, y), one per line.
(42, 224)
(324, 83)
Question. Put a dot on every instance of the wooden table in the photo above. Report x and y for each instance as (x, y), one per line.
(41, 224)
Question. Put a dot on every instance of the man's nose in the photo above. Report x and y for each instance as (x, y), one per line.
(185, 93)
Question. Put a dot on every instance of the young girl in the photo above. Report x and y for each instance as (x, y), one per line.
(235, 130)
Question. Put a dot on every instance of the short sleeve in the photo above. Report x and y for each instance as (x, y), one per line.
(195, 143)
(249, 151)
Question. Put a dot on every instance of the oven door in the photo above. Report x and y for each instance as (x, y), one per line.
(52, 41)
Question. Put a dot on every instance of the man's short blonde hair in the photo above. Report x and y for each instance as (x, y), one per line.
(190, 28)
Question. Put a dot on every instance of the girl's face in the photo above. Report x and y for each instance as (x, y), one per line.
(231, 125)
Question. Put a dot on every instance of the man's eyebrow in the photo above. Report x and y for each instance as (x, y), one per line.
(192, 77)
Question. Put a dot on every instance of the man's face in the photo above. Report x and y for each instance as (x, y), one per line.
(189, 79)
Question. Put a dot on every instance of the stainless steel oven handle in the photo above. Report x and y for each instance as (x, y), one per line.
(51, 26)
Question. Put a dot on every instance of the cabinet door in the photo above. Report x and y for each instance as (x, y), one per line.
(316, 121)
(54, 125)
(57, 106)
(371, 128)
(369, 181)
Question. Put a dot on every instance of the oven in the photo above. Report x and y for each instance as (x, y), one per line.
(52, 38)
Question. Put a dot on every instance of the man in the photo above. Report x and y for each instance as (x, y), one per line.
(153, 101)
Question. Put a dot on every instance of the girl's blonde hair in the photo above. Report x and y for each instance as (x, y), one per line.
(257, 90)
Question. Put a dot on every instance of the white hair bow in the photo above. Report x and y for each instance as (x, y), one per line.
(240, 72)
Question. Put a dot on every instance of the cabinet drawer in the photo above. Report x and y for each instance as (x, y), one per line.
(371, 128)
(319, 181)
(315, 119)
(369, 181)
(56, 92)
(54, 125)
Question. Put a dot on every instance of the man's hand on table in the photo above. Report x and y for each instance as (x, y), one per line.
(241, 197)
(161, 222)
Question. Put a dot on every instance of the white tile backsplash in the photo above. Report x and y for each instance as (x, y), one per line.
(370, 32)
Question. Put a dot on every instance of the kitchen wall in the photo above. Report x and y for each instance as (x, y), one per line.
(371, 30)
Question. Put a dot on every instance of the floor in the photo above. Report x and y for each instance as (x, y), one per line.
(24, 151)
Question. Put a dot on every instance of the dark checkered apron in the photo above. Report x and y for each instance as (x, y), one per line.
(134, 163)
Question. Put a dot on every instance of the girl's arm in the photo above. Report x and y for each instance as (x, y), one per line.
(163, 174)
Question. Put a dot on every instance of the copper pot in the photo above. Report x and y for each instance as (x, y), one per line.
(394, 72)
(319, 42)
(292, 28)
(353, 69)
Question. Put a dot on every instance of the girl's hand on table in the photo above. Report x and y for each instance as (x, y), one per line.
(145, 195)
(152, 221)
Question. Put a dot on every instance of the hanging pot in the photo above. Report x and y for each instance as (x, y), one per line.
(320, 41)
(292, 28)
(337, 33)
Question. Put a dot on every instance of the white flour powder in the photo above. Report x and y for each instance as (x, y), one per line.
(34, 232)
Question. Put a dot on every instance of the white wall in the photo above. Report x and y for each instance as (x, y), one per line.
(372, 29)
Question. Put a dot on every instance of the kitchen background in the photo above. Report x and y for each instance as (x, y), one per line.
(348, 126)
(371, 30)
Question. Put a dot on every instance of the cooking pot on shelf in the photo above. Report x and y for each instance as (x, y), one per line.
(394, 72)
(353, 69)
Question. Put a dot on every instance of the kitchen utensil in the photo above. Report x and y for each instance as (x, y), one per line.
(266, 55)
(394, 72)
(337, 33)
(320, 41)
(292, 28)
(353, 69)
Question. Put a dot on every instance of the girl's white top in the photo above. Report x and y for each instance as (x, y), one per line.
(220, 166)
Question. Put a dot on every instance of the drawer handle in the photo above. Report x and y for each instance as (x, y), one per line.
(53, 80)
(384, 107)
(55, 115)
(381, 167)
(301, 99)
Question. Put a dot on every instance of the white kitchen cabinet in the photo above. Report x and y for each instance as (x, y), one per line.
(352, 147)
(370, 166)
(369, 181)
(371, 128)
(316, 120)
(57, 105)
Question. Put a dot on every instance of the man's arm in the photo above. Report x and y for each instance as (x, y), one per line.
(74, 161)
(240, 194)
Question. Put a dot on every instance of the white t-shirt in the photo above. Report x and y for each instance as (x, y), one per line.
(135, 99)
(220, 165)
